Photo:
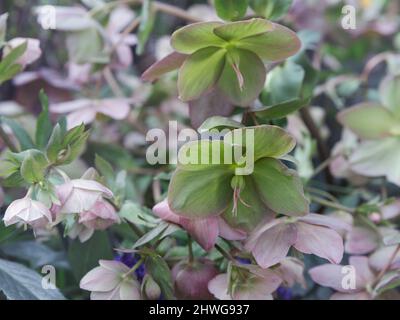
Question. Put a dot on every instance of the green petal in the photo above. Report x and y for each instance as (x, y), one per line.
(369, 121)
(269, 141)
(242, 29)
(196, 36)
(200, 72)
(278, 44)
(171, 62)
(251, 212)
(219, 123)
(243, 77)
(279, 187)
(390, 93)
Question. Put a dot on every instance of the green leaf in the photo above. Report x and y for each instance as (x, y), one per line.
(54, 146)
(137, 214)
(170, 63)
(36, 253)
(201, 190)
(162, 230)
(159, 270)
(275, 45)
(242, 78)
(34, 166)
(284, 83)
(10, 72)
(200, 72)
(280, 110)
(269, 141)
(17, 282)
(196, 36)
(235, 31)
(86, 46)
(370, 121)
(147, 19)
(43, 126)
(12, 57)
(280, 188)
(105, 169)
(389, 91)
(271, 9)
(25, 141)
(218, 123)
(231, 9)
(85, 256)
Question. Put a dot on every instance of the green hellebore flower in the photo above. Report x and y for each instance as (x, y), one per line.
(228, 57)
(211, 189)
(378, 125)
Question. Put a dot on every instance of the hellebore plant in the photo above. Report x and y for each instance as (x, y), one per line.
(378, 125)
(199, 191)
(228, 57)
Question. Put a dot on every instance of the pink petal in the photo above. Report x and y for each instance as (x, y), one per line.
(363, 295)
(204, 231)
(326, 221)
(100, 279)
(321, 241)
(259, 230)
(117, 109)
(92, 185)
(84, 116)
(364, 275)
(381, 257)
(229, 233)
(361, 241)
(328, 275)
(219, 287)
(273, 244)
(69, 106)
(163, 211)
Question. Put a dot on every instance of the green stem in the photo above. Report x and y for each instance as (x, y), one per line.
(332, 205)
(224, 253)
(133, 269)
(7, 141)
(190, 249)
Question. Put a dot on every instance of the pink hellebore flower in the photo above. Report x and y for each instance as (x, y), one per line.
(32, 53)
(80, 195)
(333, 276)
(259, 285)
(85, 110)
(100, 216)
(311, 234)
(27, 211)
(204, 231)
(381, 257)
(111, 281)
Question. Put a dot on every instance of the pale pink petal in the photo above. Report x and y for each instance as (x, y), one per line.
(329, 275)
(363, 295)
(204, 231)
(321, 241)
(163, 211)
(130, 290)
(219, 287)
(17, 206)
(69, 106)
(84, 116)
(326, 221)
(115, 266)
(124, 54)
(381, 257)
(229, 233)
(364, 275)
(291, 271)
(259, 230)
(109, 295)
(273, 244)
(92, 186)
(117, 109)
(391, 211)
(259, 291)
(85, 234)
(100, 279)
(361, 241)
(32, 53)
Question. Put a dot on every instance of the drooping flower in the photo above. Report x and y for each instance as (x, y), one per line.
(204, 231)
(85, 110)
(251, 284)
(80, 195)
(378, 125)
(311, 234)
(111, 281)
(242, 199)
(332, 276)
(191, 279)
(227, 57)
(27, 211)
(31, 54)
(100, 216)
